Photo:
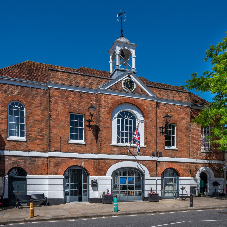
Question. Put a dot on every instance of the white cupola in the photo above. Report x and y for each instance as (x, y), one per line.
(122, 57)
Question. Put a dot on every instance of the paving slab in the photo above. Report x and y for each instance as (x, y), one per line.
(89, 210)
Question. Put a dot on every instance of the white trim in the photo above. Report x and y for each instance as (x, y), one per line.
(96, 91)
(15, 138)
(125, 145)
(23, 83)
(171, 148)
(139, 120)
(77, 141)
(104, 156)
(137, 96)
(112, 82)
(142, 85)
(207, 170)
(133, 77)
(126, 164)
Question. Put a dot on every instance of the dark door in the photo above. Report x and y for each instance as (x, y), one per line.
(17, 184)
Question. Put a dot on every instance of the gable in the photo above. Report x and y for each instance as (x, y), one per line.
(129, 83)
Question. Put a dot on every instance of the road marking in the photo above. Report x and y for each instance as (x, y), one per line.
(165, 224)
(184, 211)
(75, 220)
(133, 215)
(103, 217)
(21, 223)
(199, 210)
(34, 222)
(49, 221)
(209, 220)
(172, 223)
(94, 218)
(159, 225)
(161, 213)
(171, 212)
(84, 219)
(117, 216)
(178, 222)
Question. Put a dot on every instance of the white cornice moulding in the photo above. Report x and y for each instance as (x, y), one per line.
(33, 84)
(104, 156)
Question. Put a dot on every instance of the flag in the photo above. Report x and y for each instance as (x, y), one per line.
(136, 136)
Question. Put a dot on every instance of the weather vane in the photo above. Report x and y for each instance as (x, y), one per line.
(123, 17)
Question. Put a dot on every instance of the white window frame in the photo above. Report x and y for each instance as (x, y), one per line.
(205, 131)
(139, 120)
(172, 135)
(76, 141)
(18, 127)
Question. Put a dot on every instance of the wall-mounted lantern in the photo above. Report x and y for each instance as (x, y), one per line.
(91, 111)
(163, 129)
(94, 183)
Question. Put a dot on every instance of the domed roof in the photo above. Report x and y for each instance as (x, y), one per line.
(123, 40)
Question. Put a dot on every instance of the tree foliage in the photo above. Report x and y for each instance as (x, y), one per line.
(214, 81)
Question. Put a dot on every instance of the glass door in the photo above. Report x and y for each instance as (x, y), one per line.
(127, 184)
(170, 184)
(76, 188)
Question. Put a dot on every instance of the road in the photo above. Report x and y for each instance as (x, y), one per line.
(199, 218)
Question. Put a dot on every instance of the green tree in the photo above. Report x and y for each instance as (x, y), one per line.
(215, 82)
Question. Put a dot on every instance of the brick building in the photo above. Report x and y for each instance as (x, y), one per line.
(46, 146)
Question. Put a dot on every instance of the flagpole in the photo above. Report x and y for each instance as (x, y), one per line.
(135, 156)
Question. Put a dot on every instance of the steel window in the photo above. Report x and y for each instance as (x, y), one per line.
(205, 141)
(170, 135)
(76, 127)
(16, 120)
(126, 125)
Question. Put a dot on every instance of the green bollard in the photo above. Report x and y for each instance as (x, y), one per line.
(115, 204)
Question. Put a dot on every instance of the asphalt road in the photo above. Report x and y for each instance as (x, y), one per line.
(199, 218)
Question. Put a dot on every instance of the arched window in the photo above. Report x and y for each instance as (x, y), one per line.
(16, 121)
(126, 125)
(125, 119)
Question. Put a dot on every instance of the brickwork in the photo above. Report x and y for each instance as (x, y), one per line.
(51, 131)
(36, 112)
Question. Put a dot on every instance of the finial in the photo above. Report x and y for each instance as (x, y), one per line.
(121, 15)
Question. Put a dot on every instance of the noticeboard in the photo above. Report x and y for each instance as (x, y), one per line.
(2, 183)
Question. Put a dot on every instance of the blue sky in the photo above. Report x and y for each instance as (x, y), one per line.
(172, 35)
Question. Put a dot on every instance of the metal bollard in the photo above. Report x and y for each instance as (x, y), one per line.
(191, 200)
(115, 204)
(31, 210)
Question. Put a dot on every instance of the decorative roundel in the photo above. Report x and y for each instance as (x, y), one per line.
(128, 84)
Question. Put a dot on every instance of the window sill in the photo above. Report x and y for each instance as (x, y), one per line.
(171, 148)
(76, 142)
(206, 151)
(125, 145)
(20, 139)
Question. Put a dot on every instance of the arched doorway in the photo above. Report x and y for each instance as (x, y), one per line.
(127, 184)
(170, 184)
(76, 184)
(17, 184)
(203, 185)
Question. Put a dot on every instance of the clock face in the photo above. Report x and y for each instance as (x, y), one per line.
(129, 85)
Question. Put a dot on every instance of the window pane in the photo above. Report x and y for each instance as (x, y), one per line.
(76, 131)
(16, 112)
(21, 120)
(22, 134)
(126, 123)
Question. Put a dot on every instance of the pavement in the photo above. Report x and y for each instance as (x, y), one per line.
(89, 210)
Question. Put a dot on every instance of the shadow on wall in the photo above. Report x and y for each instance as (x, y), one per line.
(95, 130)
